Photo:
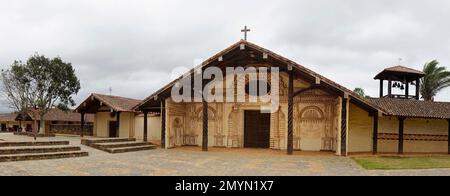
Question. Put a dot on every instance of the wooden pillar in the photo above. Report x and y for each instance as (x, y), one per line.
(375, 133)
(344, 127)
(407, 90)
(205, 125)
(381, 88)
(163, 123)
(145, 125)
(417, 89)
(82, 125)
(118, 124)
(448, 120)
(390, 88)
(290, 143)
(401, 131)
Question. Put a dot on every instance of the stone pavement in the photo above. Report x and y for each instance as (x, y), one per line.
(193, 162)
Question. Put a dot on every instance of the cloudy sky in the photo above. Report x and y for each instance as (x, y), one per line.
(132, 46)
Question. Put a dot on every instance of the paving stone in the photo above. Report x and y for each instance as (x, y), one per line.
(194, 162)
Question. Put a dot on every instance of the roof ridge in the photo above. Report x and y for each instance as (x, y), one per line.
(115, 96)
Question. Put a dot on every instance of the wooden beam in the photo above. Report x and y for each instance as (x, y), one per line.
(163, 123)
(381, 88)
(401, 130)
(448, 120)
(375, 133)
(407, 90)
(290, 143)
(145, 125)
(390, 88)
(82, 125)
(417, 89)
(313, 87)
(205, 125)
(344, 127)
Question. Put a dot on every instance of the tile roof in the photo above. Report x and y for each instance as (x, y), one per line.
(121, 104)
(403, 69)
(56, 114)
(11, 117)
(400, 73)
(413, 108)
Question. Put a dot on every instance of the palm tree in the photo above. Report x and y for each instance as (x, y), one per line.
(436, 78)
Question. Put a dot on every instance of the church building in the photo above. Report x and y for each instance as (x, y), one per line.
(315, 113)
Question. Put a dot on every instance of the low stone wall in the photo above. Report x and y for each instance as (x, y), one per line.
(73, 129)
(31, 134)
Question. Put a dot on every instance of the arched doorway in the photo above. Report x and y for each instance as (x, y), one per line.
(311, 128)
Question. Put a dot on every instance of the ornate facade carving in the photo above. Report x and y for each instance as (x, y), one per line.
(315, 121)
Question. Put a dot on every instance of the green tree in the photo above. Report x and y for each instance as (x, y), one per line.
(47, 83)
(14, 89)
(360, 92)
(436, 78)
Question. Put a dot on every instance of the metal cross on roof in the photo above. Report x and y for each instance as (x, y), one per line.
(245, 31)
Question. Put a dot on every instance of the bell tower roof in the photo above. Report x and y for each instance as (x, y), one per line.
(400, 73)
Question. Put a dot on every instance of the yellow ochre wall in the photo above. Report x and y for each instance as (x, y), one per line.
(131, 125)
(153, 128)
(101, 124)
(414, 126)
(360, 130)
(361, 133)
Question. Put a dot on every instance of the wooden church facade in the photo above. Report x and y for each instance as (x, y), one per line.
(314, 114)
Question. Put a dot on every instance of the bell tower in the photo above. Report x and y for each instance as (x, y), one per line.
(401, 78)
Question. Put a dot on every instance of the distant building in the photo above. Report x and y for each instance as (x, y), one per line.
(55, 121)
(114, 116)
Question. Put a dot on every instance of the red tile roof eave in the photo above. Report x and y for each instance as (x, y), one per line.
(107, 103)
(98, 96)
(400, 69)
(413, 108)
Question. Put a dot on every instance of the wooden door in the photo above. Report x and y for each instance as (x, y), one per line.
(256, 130)
(113, 129)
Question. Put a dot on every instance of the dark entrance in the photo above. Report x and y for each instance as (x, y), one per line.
(112, 129)
(29, 128)
(256, 130)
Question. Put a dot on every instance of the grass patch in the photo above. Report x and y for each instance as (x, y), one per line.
(393, 163)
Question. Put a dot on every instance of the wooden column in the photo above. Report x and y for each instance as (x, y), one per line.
(381, 88)
(205, 125)
(163, 123)
(390, 88)
(448, 120)
(401, 131)
(118, 124)
(375, 133)
(417, 89)
(145, 125)
(82, 125)
(407, 90)
(344, 127)
(290, 143)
